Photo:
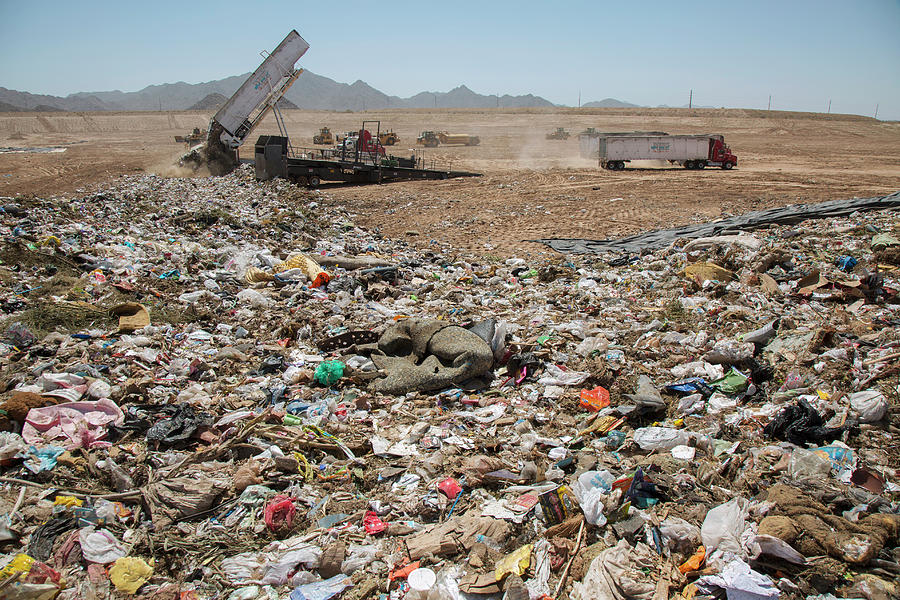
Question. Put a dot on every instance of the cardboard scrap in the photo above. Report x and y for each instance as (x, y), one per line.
(132, 316)
(455, 536)
(705, 271)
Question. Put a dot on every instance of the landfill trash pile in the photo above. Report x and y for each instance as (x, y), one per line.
(218, 388)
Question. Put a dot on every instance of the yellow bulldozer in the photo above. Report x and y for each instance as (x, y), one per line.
(559, 134)
(324, 137)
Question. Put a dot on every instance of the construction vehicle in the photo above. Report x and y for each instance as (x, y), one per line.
(388, 138)
(613, 150)
(363, 141)
(432, 139)
(324, 137)
(197, 136)
(559, 134)
(247, 107)
(358, 158)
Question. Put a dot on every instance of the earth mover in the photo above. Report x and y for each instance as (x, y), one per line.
(432, 139)
(388, 138)
(324, 137)
(197, 136)
(559, 134)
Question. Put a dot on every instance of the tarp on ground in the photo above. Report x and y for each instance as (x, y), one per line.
(787, 215)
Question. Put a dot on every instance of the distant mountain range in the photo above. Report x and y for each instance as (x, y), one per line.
(311, 91)
(609, 103)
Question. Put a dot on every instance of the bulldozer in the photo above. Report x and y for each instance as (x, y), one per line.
(324, 137)
(388, 138)
(559, 134)
(197, 136)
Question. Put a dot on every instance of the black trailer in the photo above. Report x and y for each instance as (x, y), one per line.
(274, 157)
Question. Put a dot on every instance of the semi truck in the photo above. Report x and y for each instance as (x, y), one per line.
(613, 150)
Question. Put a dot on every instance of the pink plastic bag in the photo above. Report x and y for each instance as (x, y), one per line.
(280, 512)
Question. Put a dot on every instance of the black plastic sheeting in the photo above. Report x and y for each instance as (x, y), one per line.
(787, 215)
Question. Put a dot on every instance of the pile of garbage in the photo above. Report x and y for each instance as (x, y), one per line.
(219, 388)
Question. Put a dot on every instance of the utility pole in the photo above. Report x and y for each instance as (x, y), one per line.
(770, 103)
(579, 98)
(829, 106)
(691, 99)
(876, 112)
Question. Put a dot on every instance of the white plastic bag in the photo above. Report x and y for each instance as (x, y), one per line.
(723, 526)
(660, 438)
(870, 405)
(680, 535)
(100, 546)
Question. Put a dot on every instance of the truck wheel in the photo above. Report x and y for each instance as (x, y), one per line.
(620, 166)
(314, 181)
(688, 164)
(701, 164)
(727, 166)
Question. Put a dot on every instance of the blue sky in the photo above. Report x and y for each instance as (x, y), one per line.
(731, 53)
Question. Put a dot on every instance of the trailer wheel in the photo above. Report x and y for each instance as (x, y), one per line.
(314, 181)
(701, 164)
(688, 164)
(620, 166)
(727, 166)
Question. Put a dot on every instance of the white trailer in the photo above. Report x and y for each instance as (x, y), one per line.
(260, 92)
(691, 151)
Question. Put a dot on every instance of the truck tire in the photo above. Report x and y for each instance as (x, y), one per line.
(688, 164)
(314, 181)
(727, 166)
(701, 164)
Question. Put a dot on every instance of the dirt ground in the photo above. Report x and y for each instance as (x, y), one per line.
(531, 187)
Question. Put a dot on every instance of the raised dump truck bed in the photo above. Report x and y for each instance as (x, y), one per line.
(274, 157)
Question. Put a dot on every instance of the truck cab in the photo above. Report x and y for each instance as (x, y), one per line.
(719, 154)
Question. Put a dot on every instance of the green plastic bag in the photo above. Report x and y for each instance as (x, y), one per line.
(329, 372)
(733, 383)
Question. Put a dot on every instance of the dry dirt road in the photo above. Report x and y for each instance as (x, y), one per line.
(531, 187)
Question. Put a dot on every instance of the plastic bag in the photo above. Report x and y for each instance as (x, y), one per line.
(679, 534)
(322, 590)
(723, 526)
(647, 397)
(594, 399)
(357, 558)
(660, 438)
(280, 512)
(807, 465)
(870, 405)
(329, 372)
(129, 573)
(100, 546)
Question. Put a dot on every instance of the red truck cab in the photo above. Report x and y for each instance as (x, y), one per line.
(719, 154)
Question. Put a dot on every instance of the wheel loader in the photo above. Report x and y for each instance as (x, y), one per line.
(559, 134)
(388, 138)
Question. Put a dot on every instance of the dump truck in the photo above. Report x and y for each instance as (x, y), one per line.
(248, 106)
(432, 139)
(613, 150)
(559, 134)
(388, 138)
(324, 137)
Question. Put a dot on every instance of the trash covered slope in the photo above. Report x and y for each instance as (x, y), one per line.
(786, 215)
(215, 388)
